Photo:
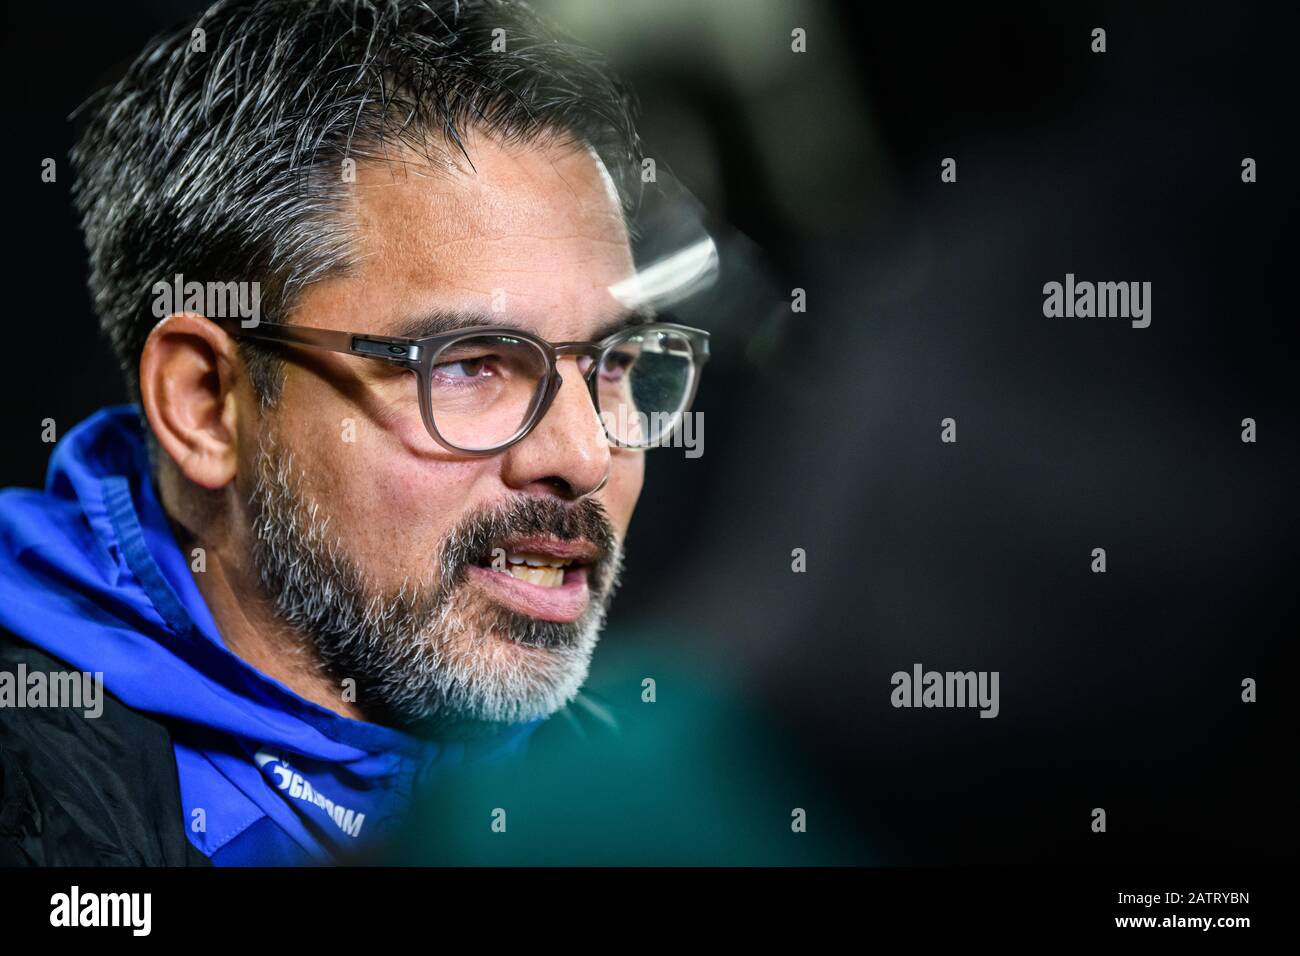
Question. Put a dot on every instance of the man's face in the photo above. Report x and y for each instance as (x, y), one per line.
(371, 537)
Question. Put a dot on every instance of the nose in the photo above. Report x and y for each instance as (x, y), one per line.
(566, 454)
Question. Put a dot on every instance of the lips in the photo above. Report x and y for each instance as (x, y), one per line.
(544, 578)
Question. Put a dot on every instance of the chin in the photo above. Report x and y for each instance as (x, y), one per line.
(489, 663)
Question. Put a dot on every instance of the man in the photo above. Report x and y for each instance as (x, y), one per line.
(367, 270)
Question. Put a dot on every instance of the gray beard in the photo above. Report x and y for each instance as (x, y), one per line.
(427, 657)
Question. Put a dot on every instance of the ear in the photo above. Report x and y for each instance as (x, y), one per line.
(188, 371)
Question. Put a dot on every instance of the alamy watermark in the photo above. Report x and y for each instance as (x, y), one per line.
(1102, 300)
(675, 429)
(921, 688)
(75, 908)
(240, 300)
(78, 690)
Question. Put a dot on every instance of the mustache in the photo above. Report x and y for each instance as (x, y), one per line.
(474, 537)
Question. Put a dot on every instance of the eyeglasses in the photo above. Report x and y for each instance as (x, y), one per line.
(482, 389)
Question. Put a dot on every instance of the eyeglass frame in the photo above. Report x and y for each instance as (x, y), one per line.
(418, 355)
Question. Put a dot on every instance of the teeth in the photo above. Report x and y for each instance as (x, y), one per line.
(536, 561)
(548, 577)
(541, 570)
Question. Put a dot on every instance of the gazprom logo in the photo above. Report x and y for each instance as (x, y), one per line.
(298, 787)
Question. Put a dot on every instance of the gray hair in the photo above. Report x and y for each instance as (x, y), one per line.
(224, 163)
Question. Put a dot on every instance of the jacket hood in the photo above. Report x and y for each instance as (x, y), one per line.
(91, 573)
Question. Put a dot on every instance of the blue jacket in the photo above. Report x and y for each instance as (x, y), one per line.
(91, 574)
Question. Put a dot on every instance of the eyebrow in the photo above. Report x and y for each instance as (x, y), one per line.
(442, 321)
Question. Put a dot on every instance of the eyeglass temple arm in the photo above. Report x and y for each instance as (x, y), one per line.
(370, 346)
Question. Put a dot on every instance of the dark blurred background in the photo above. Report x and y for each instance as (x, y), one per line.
(821, 171)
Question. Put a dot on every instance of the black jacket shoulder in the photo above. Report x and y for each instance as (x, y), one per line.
(85, 791)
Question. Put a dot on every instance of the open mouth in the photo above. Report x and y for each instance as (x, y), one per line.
(542, 562)
(542, 578)
(539, 569)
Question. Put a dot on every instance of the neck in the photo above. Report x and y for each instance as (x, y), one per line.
(251, 631)
(244, 614)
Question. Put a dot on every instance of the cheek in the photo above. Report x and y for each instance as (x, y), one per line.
(396, 512)
(389, 507)
(354, 411)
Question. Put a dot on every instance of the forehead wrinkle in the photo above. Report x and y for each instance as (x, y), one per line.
(479, 207)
